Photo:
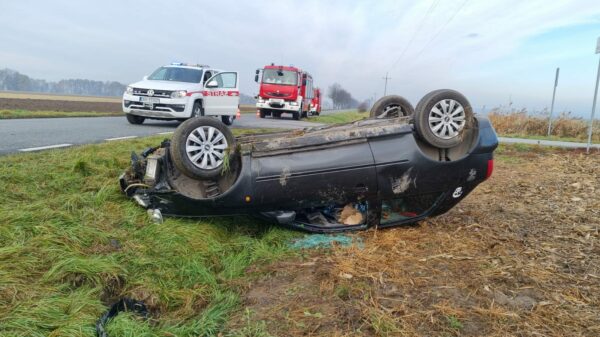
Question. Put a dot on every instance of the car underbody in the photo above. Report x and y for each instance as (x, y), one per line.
(370, 173)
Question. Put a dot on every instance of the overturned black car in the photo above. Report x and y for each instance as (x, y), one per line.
(397, 167)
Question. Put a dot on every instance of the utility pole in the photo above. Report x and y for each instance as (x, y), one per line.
(386, 78)
(552, 105)
(589, 144)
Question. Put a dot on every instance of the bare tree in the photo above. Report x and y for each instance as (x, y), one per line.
(340, 97)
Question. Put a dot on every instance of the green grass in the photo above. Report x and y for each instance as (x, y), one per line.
(339, 117)
(70, 242)
(14, 114)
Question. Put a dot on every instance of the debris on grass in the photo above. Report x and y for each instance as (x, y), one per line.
(313, 241)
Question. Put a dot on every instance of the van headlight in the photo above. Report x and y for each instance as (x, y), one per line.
(129, 90)
(178, 94)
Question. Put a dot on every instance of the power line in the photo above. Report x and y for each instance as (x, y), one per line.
(442, 29)
(429, 11)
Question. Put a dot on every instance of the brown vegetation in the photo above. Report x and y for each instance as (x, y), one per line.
(523, 125)
(518, 257)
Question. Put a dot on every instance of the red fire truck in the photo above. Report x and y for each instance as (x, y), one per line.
(283, 89)
(315, 104)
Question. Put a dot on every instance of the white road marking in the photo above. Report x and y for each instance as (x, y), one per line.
(165, 133)
(29, 149)
(119, 138)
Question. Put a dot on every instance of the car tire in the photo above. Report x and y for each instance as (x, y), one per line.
(261, 113)
(194, 154)
(441, 118)
(392, 106)
(133, 119)
(197, 109)
(227, 120)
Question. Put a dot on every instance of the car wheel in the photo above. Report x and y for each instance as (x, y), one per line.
(392, 106)
(261, 113)
(201, 146)
(441, 118)
(227, 120)
(197, 109)
(133, 119)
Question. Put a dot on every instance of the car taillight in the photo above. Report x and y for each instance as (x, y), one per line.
(490, 168)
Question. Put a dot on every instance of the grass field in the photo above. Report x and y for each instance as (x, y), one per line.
(14, 114)
(338, 117)
(70, 242)
(518, 257)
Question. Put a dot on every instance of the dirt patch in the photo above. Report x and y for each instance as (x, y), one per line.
(57, 105)
(519, 256)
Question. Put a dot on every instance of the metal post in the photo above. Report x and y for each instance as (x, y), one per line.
(589, 144)
(552, 105)
(386, 78)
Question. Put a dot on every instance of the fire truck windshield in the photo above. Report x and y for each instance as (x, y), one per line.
(283, 77)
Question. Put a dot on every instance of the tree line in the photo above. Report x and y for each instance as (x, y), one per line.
(14, 81)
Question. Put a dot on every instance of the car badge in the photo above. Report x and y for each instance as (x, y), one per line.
(150, 92)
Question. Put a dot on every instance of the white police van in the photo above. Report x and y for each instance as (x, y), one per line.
(180, 91)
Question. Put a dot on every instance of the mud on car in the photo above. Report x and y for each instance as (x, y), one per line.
(398, 166)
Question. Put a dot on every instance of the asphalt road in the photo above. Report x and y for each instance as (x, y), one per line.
(23, 135)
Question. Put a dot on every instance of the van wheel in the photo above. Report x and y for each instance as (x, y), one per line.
(201, 147)
(441, 118)
(197, 109)
(392, 106)
(227, 120)
(133, 119)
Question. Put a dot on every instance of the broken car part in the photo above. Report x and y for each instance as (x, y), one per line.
(124, 304)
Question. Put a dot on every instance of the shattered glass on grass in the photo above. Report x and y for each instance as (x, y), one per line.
(325, 241)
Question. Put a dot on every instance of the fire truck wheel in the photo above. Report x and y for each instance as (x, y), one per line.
(261, 113)
(441, 118)
(201, 146)
(392, 106)
(296, 115)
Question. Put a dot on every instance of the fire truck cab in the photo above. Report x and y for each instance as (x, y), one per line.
(283, 89)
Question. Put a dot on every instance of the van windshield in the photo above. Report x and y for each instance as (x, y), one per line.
(283, 77)
(176, 75)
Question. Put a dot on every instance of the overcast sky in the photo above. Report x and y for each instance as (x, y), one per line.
(490, 50)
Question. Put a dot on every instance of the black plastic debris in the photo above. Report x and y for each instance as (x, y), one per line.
(124, 304)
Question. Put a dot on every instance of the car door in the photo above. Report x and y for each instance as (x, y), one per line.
(221, 94)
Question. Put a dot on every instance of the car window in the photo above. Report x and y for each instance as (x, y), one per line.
(401, 209)
(226, 80)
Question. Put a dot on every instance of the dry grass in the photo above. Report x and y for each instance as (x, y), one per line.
(523, 125)
(517, 257)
